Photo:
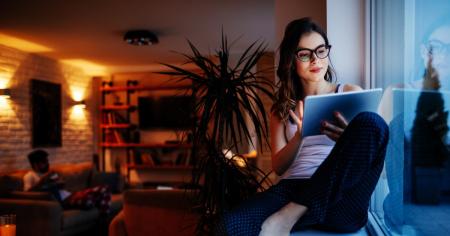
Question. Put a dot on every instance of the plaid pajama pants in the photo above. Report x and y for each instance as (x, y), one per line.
(338, 193)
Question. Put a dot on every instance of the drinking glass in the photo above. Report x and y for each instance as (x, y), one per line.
(8, 225)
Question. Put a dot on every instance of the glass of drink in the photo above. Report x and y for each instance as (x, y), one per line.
(8, 225)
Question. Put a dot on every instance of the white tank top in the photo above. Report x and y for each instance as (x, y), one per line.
(312, 152)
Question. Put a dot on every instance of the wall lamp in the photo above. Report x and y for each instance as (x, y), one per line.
(6, 93)
(81, 104)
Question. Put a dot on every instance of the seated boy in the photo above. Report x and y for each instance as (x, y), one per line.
(41, 178)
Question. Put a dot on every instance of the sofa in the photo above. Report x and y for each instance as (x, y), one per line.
(39, 213)
(155, 212)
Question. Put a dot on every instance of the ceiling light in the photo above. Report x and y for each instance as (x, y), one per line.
(140, 37)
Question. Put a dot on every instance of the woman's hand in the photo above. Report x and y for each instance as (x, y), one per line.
(334, 130)
(298, 118)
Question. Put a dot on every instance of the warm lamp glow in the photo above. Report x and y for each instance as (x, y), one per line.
(78, 111)
(77, 93)
(6, 110)
(251, 154)
(80, 104)
(4, 80)
(4, 102)
(8, 230)
(22, 44)
(88, 67)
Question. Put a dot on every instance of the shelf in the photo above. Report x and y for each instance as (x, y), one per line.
(148, 88)
(117, 107)
(146, 145)
(160, 167)
(115, 116)
(115, 126)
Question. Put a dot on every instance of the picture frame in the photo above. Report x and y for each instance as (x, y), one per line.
(45, 114)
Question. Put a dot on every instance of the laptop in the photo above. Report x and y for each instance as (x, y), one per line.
(321, 107)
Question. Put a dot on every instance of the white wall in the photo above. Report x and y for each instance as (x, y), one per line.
(346, 32)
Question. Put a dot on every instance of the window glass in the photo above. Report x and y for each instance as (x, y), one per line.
(410, 49)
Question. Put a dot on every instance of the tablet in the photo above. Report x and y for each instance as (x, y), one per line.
(321, 107)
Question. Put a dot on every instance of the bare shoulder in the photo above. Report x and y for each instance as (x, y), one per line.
(351, 87)
(274, 118)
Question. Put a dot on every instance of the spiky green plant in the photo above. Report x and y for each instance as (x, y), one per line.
(224, 94)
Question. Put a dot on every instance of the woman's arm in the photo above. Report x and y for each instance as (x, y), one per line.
(283, 154)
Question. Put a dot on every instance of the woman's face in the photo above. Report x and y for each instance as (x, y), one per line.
(314, 69)
(439, 41)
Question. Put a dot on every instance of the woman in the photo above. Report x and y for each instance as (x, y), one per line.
(323, 183)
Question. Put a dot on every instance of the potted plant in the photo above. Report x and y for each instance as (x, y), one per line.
(225, 94)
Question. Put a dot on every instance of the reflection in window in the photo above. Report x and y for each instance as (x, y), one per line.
(411, 62)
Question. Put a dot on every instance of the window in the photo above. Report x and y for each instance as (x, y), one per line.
(413, 194)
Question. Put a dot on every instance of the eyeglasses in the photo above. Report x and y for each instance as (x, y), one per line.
(305, 54)
(437, 47)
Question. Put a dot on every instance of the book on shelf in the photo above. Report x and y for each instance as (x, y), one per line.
(156, 160)
(109, 136)
(183, 158)
(147, 159)
(136, 157)
(114, 135)
(118, 136)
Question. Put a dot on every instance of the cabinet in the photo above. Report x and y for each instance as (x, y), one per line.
(120, 133)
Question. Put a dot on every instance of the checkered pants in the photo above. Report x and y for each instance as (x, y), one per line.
(338, 193)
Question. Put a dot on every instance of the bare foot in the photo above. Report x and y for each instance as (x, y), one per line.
(281, 222)
(275, 225)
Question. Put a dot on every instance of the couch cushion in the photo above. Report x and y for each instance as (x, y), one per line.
(10, 183)
(76, 176)
(43, 196)
(73, 217)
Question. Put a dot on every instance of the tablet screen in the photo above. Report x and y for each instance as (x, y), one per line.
(321, 107)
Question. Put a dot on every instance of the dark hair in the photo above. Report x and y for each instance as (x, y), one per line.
(289, 87)
(37, 156)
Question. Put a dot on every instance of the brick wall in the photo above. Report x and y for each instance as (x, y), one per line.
(16, 70)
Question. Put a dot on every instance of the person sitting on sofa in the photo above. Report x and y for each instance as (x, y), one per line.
(41, 178)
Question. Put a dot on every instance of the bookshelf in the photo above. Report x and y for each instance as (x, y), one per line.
(118, 133)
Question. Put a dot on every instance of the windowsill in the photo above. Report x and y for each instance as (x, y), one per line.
(311, 232)
(373, 227)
